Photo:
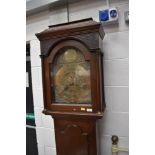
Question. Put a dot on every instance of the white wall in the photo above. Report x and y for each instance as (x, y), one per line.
(116, 61)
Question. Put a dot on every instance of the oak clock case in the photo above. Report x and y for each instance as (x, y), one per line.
(72, 73)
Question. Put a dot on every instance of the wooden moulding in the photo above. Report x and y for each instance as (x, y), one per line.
(71, 28)
(85, 115)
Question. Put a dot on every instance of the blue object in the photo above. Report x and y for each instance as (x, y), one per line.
(113, 13)
(104, 15)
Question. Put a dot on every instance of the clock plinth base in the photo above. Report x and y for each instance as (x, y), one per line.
(75, 136)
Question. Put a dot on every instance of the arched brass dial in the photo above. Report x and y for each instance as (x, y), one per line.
(72, 79)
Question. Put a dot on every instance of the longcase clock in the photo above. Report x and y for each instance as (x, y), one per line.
(72, 72)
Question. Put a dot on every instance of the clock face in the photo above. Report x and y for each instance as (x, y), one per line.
(71, 78)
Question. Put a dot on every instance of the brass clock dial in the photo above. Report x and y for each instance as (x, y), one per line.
(72, 78)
